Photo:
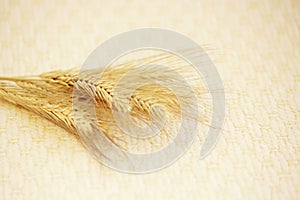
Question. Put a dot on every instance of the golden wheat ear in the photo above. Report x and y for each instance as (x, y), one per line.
(37, 95)
(51, 94)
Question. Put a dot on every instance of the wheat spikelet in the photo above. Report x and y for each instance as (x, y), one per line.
(50, 94)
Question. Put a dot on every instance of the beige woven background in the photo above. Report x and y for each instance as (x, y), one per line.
(258, 155)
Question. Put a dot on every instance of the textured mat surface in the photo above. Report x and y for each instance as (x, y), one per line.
(258, 155)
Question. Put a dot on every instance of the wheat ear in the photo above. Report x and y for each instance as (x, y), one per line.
(50, 94)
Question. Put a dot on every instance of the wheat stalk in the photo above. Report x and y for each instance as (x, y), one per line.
(50, 94)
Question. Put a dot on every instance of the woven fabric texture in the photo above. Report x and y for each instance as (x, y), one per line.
(257, 54)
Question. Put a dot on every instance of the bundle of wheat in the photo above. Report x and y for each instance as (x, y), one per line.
(51, 95)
